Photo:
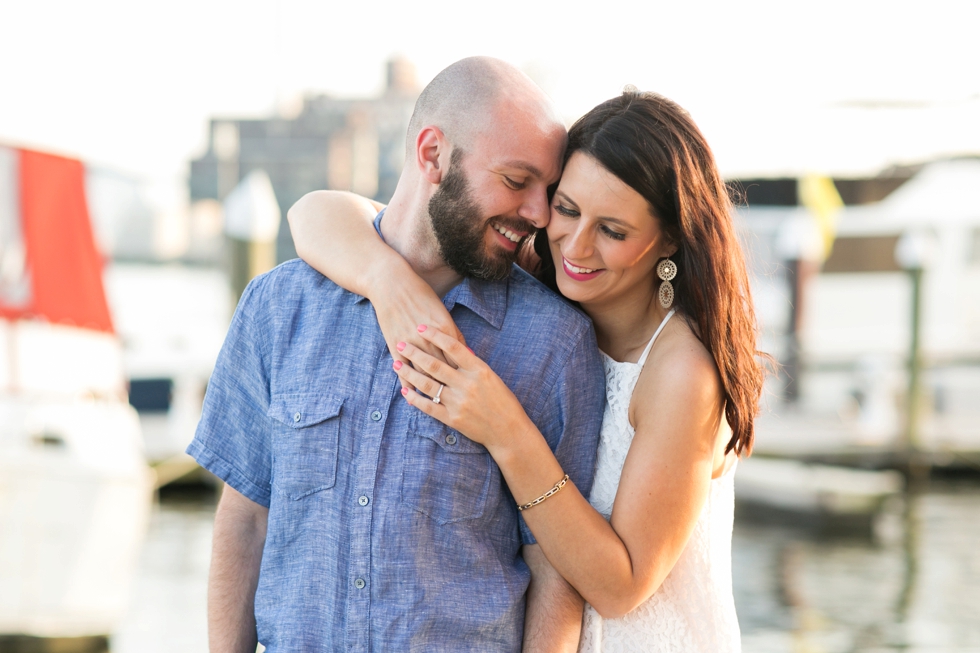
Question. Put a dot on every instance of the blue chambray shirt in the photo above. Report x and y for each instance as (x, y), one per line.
(387, 530)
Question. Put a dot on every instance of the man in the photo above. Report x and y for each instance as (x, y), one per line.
(351, 521)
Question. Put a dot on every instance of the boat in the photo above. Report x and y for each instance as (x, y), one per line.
(821, 496)
(856, 325)
(75, 489)
(172, 319)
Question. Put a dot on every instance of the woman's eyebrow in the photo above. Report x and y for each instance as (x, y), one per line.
(621, 223)
(566, 198)
(606, 218)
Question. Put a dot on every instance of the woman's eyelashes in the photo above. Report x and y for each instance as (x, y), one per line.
(615, 235)
(568, 212)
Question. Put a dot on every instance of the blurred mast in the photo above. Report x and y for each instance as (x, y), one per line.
(805, 243)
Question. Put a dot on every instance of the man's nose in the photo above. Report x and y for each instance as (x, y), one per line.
(535, 208)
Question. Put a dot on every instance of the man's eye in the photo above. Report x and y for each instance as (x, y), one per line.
(564, 210)
(615, 235)
(515, 185)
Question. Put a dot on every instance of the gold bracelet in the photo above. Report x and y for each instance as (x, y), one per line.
(550, 493)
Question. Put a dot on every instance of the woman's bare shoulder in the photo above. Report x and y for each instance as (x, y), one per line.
(680, 356)
(680, 376)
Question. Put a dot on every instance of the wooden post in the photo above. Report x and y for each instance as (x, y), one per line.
(915, 365)
(913, 252)
(917, 459)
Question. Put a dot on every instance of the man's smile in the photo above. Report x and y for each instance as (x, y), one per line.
(509, 234)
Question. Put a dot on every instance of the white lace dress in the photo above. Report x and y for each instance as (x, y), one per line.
(693, 611)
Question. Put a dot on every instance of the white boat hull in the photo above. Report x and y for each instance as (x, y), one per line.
(75, 497)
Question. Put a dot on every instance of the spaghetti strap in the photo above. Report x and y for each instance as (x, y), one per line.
(646, 352)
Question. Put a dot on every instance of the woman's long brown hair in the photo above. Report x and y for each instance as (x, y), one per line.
(652, 144)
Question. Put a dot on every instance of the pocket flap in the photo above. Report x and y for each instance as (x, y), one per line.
(447, 438)
(304, 408)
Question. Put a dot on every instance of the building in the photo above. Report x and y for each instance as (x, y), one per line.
(350, 144)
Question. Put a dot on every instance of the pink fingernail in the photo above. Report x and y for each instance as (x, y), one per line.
(469, 350)
(404, 392)
(397, 365)
(422, 328)
(400, 346)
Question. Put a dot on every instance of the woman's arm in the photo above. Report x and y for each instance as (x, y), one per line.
(334, 233)
(614, 565)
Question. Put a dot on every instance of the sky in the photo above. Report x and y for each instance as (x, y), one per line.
(844, 88)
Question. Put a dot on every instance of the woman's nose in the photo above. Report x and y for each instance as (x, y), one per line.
(578, 243)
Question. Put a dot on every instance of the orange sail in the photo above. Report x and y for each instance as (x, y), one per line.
(62, 266)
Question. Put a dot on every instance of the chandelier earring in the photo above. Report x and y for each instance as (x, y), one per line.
(666, 270)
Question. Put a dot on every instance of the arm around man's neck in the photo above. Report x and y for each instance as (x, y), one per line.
(334, 234)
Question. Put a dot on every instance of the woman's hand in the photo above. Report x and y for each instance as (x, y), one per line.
(474, 400)
(403, 301)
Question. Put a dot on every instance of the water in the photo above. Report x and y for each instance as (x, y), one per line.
(913, 585)
(168, 608)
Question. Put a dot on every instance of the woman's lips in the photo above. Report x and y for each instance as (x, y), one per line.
(570, 270)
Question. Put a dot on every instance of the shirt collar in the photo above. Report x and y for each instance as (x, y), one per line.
(488, 299)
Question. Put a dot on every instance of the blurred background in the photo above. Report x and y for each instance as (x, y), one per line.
(149, 152)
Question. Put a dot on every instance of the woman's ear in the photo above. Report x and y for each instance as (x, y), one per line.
(668, 248)
(432, 151)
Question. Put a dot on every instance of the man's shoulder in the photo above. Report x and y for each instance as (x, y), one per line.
(293, 273)
(528, 295)
(294, 283)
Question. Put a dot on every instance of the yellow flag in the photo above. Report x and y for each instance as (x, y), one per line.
(818, 194)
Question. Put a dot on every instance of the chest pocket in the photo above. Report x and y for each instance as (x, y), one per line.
(445, 476)
(304, 445)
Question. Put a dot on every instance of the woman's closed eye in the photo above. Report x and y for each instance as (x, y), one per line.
(566, 211)
(569, 212)
(615, 235)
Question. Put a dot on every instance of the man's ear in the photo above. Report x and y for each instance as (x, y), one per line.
(432, 151)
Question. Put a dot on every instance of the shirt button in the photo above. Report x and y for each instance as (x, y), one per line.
(450, 439)
(363, 500)
(359, 583)
(297, 417)
(376, 415)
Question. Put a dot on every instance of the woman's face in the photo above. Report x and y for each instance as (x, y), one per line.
(603, 238)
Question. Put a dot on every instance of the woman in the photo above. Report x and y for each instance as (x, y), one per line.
(641, 238)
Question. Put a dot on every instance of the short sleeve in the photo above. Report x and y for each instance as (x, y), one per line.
(574, 416)
(232, 440)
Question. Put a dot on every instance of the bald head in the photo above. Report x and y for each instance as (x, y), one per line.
(462, 100)
(484, 145)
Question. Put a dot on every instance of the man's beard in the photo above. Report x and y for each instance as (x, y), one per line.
(460, 228)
